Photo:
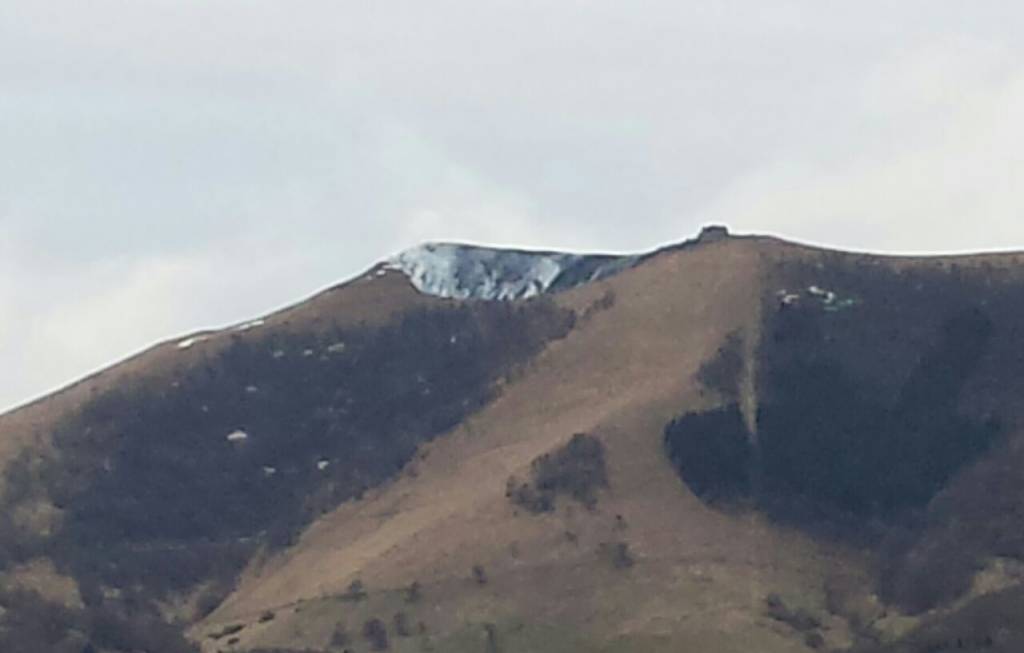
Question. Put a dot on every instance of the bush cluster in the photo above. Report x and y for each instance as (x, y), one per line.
(577, 470)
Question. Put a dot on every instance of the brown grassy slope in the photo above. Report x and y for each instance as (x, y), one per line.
(699, 576)
(369, 299)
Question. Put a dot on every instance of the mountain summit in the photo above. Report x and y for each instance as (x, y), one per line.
(732, 444)
(473, 272)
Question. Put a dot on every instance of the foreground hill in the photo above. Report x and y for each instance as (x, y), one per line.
(734, 444)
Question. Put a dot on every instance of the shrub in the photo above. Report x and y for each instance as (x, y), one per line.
(491, 633)
(376, 633)
(227, 630)
(340, 637)
(479, 575)
(721, 374)
(798, 619)
(814, 641)
(355, 592)
(401, 623)
(577, 470)
(413, 593)
(618, 554)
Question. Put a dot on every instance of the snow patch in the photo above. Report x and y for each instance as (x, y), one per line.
(827, 299)
(250, 325)
(469, 272)
(189, 342)
(237, 436)
(826, 296)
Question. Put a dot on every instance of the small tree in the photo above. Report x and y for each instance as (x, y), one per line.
(267, 616)
(340, 637)
(402, 627)
(414, 592)
(479, 575)
(376, 633)
(619, 554)
(492, 638)
(356, 591)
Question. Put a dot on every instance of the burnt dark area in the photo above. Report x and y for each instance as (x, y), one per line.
(157, 498)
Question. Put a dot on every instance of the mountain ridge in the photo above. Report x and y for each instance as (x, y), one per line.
(480, 504)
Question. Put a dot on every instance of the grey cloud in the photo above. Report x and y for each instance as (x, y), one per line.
(170, 165)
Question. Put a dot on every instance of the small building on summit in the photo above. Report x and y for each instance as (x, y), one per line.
(713, 233)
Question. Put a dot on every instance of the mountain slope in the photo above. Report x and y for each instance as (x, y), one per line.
(734, 444)
(629, 375)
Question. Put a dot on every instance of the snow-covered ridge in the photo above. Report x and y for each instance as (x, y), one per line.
(471, 272)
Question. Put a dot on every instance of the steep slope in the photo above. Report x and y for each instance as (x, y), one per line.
(370, 300)
(649, 563)
(732, 444)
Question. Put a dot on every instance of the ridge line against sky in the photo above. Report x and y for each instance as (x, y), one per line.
(171, 165)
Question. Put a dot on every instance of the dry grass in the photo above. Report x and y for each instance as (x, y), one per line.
(700, 576)
(621, 376)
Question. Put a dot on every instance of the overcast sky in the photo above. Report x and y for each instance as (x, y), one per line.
(167, 165)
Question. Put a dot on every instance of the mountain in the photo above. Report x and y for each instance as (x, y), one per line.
(732, 444)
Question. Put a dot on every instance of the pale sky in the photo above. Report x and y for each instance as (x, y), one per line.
(168, 165)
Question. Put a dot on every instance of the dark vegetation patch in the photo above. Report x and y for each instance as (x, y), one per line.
(712, 452)
(880, 391)
(721, 374)
(376, 634)
(227, 631)
(491, 635)
(602, 303)
(479, 575)
(576, 470)
(340, 637)
(988, 624)
(618, 554)
(355, 592)
(828, 445)
(403, 627)
(267, 617)
(156, 496)
(31, 624)
(798, 619)
(414, 593)
(825, 437)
